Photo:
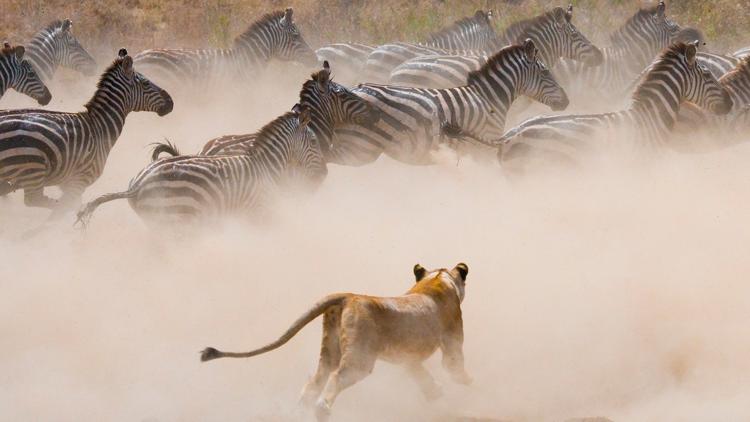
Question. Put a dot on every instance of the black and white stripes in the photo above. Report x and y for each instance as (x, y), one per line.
(674, 77)
(46, 148)
(273, 36)
(56, 46)
(16, 73)
(411, 120)
(187, 187)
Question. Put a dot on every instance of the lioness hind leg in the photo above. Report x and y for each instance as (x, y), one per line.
(330, 356)
(356, 364)
(426, 383)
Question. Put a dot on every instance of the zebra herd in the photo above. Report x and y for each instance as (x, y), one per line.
(454, 89)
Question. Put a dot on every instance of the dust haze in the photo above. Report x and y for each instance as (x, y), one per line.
(619, 293)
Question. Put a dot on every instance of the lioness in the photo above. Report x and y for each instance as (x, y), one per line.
(358, 329)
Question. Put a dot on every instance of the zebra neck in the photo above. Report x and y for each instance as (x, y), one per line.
(43, 56)
(107, 120)
(476, 112)
(252, 50)
(273, 157)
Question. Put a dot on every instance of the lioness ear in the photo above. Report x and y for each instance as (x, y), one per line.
(690, 52)
(419, 272)
(463, 270)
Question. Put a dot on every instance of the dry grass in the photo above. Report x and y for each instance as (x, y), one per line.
(139, 24)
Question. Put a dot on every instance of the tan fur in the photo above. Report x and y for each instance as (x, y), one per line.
(359, 329)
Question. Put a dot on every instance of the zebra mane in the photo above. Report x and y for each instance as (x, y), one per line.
(659, 64)
(267, 133)
(54, 26)
(268, 18)
(479, 20)
(741, 71)
(498, 57)
(520, 26)
(105, 76)
(641, 14)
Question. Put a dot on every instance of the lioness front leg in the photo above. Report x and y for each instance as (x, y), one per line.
(427, 384)
(453, 358)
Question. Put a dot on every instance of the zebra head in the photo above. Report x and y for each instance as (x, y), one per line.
(702, 88)
(575, 45)
(537, 82)
(140, 94)
(309, 162)
(644, 35)
(332, 104)
(17, 73)
(279, 37)
(70, 52)
(737, 82)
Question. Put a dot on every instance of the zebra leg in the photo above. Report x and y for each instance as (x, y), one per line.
(71, 199)
(34, 197)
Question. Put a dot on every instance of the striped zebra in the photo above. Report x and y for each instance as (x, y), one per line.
(17, 73)
(330, 105)
(205, 187)
(46, 148)
(552, 32)
(676, 76)
(273, 36)
(348, 58)
(56, 46)
(412, 119)
(742, 53)
(472, 35)
(633, 47)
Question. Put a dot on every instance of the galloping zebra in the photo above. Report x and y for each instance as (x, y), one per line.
(348, 58)
(56, 46)
(46, 148)
(412, 119)
(552, 32)
(211, 186)
(468, 35)
(273, 36)
(676, 76)
(329, 103)
(633, 47)
(17, 73)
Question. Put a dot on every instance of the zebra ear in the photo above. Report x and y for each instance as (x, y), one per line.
(569, 13)
(19, 50)
(690, 51)
(67, 24)
(127, 66)
(122, 53)
(661, 8)
(288, 13)
(303, 114)
(324, 78)
(529, 50)
(419, 272)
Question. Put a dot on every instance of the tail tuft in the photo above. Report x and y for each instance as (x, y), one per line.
(166, 147)
(209, 353)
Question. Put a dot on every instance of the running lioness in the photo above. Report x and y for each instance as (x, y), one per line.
(358, 329)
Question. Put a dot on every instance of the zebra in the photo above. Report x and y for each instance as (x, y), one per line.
(17, 73)
(205, 187)
(634, 45)
(349, 58)
(273, 36)
(472, 35)
(330, 105)
(412, 119)
(553, 33)
(742, 52)
(46, 148)
(675, 76)
(56, 46)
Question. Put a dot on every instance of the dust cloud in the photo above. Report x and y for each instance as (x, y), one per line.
(621, 293)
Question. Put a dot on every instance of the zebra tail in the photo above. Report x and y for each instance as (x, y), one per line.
(85, 213)
(166, 147)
